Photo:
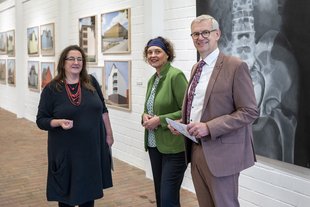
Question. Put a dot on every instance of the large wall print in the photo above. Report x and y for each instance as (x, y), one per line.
(117, 81)
(33, 41)
(47, 35)
(88, 37)
(272, 38)
(115, 32)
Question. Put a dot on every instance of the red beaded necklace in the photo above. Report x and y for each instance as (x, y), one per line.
(75, 98)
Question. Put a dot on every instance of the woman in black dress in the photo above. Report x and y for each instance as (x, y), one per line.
(73, 111)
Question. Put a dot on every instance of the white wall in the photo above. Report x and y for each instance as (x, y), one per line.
(268, 184)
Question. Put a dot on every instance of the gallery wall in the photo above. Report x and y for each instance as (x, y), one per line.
(268, 183)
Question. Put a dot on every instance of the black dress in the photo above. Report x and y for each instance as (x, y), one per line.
(79, 162)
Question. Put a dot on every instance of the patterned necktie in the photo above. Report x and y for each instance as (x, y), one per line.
(192, 89)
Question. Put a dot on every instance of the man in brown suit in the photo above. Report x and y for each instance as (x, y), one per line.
(219, 113)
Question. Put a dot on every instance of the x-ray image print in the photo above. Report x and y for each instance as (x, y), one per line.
(262, 33)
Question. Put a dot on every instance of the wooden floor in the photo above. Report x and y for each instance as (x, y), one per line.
(23, 169)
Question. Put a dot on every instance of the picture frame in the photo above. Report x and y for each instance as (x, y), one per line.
(33, 41)
(33, 75)
(97, 72)
(116, 32)
(3, 43)
(11, 66)
(10, 35)
(2, 71)
(88, 38)
(47, 73)
(117, 84)
(47, 39)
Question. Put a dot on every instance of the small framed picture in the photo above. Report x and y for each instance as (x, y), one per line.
(115, 32)
(2, 71)
(33, 75)
(47, 35)
(3, 43)
(47, 73)
(97, 72)
(117, 84)
(33, 41)
(10, 43)
(88, 38)
(11, 72)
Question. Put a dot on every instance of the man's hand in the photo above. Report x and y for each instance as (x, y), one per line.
(198, 129)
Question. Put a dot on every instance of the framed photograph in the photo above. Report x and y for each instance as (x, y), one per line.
(2, 71)
(47, 35)
(3, 43)
(11, 72)
(33, 75)
(10, 35)
(97, 72)
(88, 38)
(33, 41)
(117, 84)
(47, 73)
(115, 32)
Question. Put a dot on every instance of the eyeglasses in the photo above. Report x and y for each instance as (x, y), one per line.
(73, 59)
(204, 34)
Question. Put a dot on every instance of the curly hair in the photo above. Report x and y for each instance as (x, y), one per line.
(168, 44)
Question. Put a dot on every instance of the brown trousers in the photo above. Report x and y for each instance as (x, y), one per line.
(212, 191)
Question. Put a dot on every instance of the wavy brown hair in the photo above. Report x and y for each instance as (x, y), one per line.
(61, 75)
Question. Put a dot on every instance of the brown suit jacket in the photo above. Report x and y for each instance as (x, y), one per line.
(229, 110)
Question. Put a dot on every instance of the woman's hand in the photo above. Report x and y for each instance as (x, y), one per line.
(173, 130)
(150, 122)
(108, 128)
(64, 123)
(110, 140)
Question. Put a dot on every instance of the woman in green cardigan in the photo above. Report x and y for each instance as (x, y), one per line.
(164, 96)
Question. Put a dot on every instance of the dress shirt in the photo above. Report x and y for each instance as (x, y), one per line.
(202, 85)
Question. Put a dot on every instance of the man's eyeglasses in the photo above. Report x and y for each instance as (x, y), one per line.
(204, 34)
(73, 59)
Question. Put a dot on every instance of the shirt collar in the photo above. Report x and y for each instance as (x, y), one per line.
(211, 58)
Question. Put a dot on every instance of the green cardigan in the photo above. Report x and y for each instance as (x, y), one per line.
(168, 103)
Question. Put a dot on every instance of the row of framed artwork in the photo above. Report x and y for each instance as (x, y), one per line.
(7, 43)
(115, 34)
(7, 72)
(45, 40)
(114, 78)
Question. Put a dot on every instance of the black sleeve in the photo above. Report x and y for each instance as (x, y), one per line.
(45, 109)
(98, 89)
